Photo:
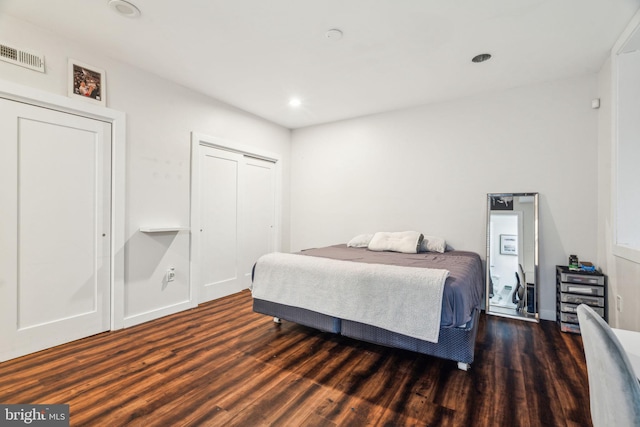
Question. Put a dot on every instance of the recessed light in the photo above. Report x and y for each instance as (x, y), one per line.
(295, 102)
(482, 57)
(124, 8)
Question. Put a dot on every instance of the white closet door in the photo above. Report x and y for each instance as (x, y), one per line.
(237, 209)
(220, 183)
(54, 228)
(258, 231)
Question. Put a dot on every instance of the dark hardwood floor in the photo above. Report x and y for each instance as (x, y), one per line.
(223, 365)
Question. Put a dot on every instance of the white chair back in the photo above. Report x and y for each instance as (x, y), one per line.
(614, 390)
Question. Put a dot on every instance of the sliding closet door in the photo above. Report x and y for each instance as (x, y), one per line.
(258, 231)
(54, 228)
(235, 223)
(219, 243)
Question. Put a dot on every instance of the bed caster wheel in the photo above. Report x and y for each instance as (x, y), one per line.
(277, 320)
(463, 366)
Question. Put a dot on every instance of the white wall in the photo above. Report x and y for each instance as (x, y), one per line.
(160, 117)
(429, 169)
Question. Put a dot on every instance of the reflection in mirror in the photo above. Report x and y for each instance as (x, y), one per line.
(512, 255)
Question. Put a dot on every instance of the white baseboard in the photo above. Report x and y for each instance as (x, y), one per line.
(137, 319)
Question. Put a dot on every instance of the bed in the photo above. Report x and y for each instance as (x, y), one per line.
(310, 274)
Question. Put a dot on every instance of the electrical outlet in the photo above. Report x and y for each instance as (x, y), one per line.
(171, 274)
(619, 303)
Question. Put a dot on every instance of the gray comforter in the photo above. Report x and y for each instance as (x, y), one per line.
(405, 300)
(464, 288)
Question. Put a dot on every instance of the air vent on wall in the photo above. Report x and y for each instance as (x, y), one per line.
(21, 57)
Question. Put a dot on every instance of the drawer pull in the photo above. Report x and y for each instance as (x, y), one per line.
(580, 290)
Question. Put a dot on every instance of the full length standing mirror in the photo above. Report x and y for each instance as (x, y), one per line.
(512, 255)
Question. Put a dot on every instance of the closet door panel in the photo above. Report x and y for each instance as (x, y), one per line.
(220, 209)
(55, 227)
(259, 212)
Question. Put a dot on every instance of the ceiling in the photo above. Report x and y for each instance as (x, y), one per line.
(394, 54)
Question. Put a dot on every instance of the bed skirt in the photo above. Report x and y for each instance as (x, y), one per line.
(457, 344)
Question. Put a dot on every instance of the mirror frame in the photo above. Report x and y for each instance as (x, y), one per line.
(531, 317)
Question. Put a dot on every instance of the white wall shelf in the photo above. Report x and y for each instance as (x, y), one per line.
(162, 229)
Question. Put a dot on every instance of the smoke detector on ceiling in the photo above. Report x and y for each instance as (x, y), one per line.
(21, 57)
(124, 8)
(334, 34)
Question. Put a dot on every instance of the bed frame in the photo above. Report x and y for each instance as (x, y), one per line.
(455, 344)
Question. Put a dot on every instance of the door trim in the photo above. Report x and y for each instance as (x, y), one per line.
(197, 140)
(36, 97)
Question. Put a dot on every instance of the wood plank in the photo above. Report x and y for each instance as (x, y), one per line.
(223, 364)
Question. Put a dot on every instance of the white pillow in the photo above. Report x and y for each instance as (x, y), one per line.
(360, 241)
(407, 242)
(433, 244)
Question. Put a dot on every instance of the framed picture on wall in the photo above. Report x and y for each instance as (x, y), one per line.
(508, 244)
(87, 82)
